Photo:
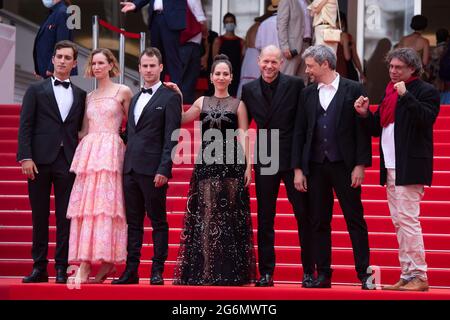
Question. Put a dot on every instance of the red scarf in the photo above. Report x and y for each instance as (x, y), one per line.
(389, 103)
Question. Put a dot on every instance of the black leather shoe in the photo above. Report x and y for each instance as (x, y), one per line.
(36, 276)
(322, 281)
(308, 280)
(61, 276)
(266, 280)
(127, 277)
(157, 278)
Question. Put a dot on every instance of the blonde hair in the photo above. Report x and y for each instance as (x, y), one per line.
(114, 72)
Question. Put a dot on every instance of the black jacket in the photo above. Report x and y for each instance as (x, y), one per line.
(150, 143)
(42, 130)
(280, 115)
(415, 115)
(353, 140)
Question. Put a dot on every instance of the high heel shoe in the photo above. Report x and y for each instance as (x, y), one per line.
(82, 275)
(106, 270)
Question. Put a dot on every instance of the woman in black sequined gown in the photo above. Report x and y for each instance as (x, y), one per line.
(216, 245)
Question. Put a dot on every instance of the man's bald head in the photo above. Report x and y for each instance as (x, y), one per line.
(272, 50)
(269, 62)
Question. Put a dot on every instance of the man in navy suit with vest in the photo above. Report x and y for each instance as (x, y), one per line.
(53, 30)
(331, 149)
(166, 19)
(154, 115)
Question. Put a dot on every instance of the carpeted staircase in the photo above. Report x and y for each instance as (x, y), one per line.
(15, 218)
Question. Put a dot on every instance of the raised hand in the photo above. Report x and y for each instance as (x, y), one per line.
(127, 6)
(400, 87)
(362, 106)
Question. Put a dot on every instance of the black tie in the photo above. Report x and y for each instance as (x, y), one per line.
(65, 84)
(149, 90)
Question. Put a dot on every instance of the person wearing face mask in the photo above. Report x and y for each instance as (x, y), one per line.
(53, 30)
(233, 47)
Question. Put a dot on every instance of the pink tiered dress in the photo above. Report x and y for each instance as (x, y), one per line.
(98, 230)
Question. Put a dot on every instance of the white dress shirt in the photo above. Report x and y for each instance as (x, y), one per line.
(158, 5)
(199, 14)
(388, 145)
(142, 101)
(64, 98)
(327, 92)
(307, 33)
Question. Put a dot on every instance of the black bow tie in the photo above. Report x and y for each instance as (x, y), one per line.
(65, 84)
(149, 90)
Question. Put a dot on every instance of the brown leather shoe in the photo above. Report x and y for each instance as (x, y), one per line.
(396, 286)
(416, 284)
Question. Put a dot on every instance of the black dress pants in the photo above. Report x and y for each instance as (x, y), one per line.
(322, 180)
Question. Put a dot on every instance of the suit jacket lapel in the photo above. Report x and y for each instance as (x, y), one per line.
(315, 103)
(148, 105)
(259, 95)
(76, 101)
(281, 89)
(340, 95)
(131, 110)
(48, 88)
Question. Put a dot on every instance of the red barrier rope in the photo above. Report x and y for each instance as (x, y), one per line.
(115, 29)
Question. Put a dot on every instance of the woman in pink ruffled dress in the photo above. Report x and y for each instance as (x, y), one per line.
(98, 231)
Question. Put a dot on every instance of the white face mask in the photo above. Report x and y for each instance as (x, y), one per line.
(47, 3)
(230, 27)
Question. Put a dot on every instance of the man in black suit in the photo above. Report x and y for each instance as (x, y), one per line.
(404, 122)
(332, 149)
(272, 101)
(51, 116)
(166, 19)
(155, 113)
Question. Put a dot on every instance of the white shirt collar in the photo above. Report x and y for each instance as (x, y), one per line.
(55, 78)
(155, 87)
(334, 84)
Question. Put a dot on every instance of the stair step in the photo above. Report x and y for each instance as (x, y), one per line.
(381, 240)
(372, 192)
(291, 255)
(291, 273)
(283, 221)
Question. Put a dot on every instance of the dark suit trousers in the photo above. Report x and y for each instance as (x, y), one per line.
(168, 42)
(267, 187)
(39, 191)
(323, 178)
(141, 196)
(191, 55)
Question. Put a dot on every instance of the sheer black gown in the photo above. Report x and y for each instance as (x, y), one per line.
(216, 246)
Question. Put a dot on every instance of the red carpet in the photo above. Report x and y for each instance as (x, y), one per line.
(15, 237)
(14, 290)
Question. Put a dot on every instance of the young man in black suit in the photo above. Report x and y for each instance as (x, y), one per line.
(51, 116)
(332, 149)
(166, 19)
(272, 101)
(155, 113)
(404, 122)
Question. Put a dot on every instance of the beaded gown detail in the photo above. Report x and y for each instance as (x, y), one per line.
(217, 239)
(98, 230)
